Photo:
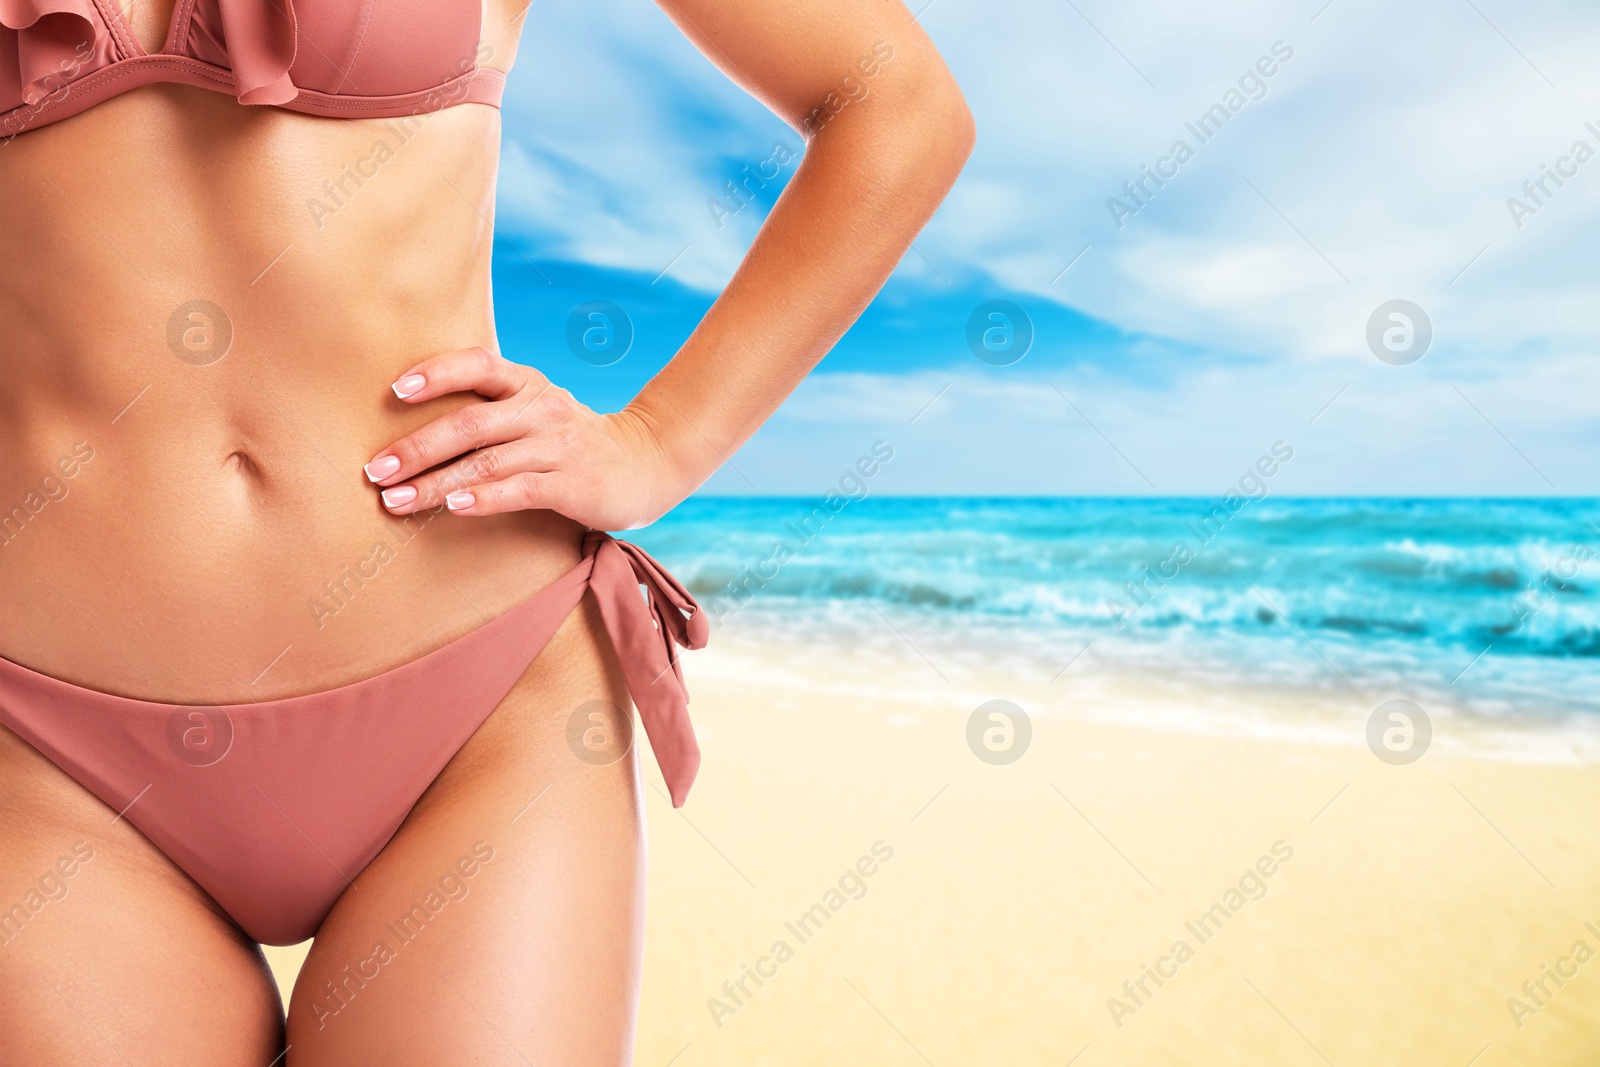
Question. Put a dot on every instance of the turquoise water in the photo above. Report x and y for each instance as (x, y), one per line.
(1489, 602)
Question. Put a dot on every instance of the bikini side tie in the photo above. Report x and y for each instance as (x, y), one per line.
(645, 630)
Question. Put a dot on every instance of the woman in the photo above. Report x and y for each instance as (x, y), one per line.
(303, 605)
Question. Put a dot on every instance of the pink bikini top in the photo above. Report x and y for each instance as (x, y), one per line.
(339, 58)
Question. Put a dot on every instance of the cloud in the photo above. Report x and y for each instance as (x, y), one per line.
(1374, 163)
(1382, 151)
(1357, 430)
(617, 133)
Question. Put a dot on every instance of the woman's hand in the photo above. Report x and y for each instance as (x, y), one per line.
(531, 447)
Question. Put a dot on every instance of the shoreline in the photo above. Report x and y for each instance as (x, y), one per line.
(903, 664)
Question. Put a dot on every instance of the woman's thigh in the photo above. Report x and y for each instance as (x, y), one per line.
(504, 922)
(108, 953)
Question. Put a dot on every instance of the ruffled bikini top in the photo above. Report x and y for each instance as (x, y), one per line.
(339, 58)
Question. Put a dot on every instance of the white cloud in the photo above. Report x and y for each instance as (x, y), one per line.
(1356, 428)
(615, 129)
(1383, 151)
(1390, 140)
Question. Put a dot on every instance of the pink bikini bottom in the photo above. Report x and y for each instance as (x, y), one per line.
(274, 808)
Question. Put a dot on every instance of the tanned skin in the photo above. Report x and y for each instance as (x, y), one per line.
(210, 502)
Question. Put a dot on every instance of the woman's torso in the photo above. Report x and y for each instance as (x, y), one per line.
(197, 529)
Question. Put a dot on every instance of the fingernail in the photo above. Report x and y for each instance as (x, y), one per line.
(399, 496)
(381, 468)
(410, 385)
(458, 501)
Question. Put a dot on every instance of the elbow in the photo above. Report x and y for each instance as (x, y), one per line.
(916, 132)
(961, 128)
(943, 124)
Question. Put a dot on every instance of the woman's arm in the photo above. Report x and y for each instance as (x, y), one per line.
(886, 131)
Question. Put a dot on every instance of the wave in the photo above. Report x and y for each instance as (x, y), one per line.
(1437, 580)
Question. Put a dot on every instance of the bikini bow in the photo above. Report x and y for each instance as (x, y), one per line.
(646, 644)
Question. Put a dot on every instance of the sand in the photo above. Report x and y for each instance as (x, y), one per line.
(1361, 913)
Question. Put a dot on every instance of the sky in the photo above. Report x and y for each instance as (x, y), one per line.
(1178, 332)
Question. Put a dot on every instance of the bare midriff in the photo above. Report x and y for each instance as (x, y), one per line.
(202, 307)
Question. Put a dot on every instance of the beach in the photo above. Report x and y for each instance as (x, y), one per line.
(851, 883)
(1142, 782)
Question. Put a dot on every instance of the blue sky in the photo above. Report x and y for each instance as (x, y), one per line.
(1228, 310)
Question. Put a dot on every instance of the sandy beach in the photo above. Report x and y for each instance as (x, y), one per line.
(851, 884)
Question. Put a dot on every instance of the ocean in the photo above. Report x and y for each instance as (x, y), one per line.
(1486, 606)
